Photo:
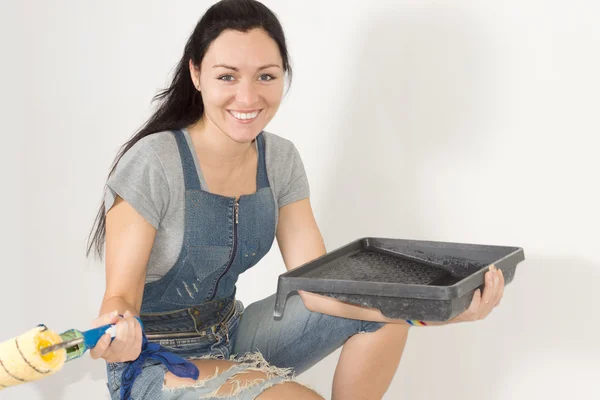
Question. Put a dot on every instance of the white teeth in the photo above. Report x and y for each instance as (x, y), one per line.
(244, 116)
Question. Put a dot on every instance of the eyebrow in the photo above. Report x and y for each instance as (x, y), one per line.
(236, 69)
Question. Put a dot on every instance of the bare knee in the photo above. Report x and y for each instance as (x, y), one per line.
(251, 377)
(208, 369)
(241, 381)
(289, 390)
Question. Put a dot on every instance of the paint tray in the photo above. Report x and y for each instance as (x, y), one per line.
(404, 279)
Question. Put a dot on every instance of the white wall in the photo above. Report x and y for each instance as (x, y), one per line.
(471, 121)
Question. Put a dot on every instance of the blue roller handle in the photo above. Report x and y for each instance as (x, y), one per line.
(92, 336)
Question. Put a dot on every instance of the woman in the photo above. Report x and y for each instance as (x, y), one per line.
(197, 197)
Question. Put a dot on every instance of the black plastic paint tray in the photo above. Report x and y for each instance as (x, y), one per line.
(405, 279)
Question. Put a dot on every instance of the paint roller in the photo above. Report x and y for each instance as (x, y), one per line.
(41, 352)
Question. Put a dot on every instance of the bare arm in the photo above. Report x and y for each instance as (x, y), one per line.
(300, 241)
(129, 240)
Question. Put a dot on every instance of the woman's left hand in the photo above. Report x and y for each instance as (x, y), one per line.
(482, 305)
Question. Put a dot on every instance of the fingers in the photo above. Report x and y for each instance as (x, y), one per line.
(500, 291)
(496, 291)
(100, 349)
(130, 328)
(106, 319)
(127, 343)
(482, 304)
(472, 311)
(137, 344)
(131, 349)
(489, 292)
(119, 343)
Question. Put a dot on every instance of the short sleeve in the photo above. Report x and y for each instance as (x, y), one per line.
(140, 180)
(297, 187)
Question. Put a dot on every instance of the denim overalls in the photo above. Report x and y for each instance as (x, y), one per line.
(192, 310)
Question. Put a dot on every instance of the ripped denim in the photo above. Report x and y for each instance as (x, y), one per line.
(251, 337)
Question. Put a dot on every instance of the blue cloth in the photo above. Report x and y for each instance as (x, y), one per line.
(177, 365)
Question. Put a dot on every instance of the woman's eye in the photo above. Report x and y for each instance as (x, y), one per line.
(267, 77)
(230, 78)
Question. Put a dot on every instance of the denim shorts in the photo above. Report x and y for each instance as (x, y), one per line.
(252, 337)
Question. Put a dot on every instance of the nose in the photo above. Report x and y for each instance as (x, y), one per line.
(247, 93)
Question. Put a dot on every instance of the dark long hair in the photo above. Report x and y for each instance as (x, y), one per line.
(180, 104)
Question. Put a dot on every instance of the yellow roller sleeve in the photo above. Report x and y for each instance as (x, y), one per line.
(21, 361)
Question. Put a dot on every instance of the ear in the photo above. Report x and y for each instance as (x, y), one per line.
(194, 74)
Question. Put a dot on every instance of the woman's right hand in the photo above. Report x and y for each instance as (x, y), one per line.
(127, 344)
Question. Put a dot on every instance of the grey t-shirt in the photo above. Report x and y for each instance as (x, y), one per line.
(149, 177)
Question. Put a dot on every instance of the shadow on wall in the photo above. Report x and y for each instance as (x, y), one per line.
(413, 97)
(417, 96)
(539, 326)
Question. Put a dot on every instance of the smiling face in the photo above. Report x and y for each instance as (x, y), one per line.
(241, 79)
